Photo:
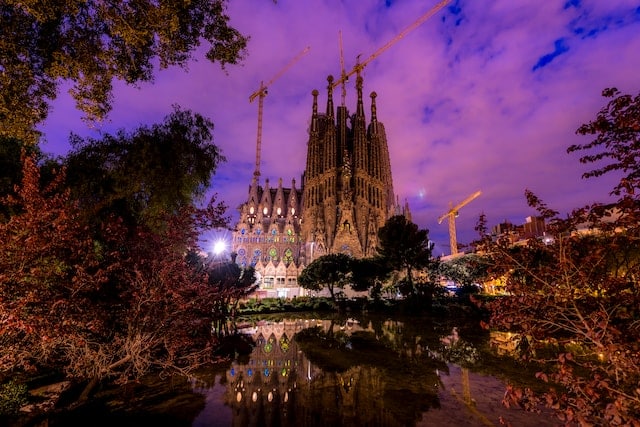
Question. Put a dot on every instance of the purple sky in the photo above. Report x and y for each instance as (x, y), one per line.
(482, 96)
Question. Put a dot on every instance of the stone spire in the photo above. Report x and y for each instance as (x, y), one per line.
(265, 203)
(292, 204)
(360, 107)
(330, 97)
(374, 115)
(314, 113)
(279, 203)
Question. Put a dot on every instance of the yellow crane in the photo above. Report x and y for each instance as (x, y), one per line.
(260, 93)
(451, 214)
(344, 76)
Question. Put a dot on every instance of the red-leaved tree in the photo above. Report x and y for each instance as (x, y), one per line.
(575, 301)
(112, 303)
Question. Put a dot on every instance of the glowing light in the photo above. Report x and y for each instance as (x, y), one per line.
(219, 247)
(215, 239)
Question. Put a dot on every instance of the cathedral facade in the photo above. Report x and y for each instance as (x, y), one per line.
(345, 196)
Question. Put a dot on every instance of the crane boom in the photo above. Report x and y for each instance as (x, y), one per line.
(260, 93)
(360, 65)
(343, 74)
(451, 215)
(262, 90)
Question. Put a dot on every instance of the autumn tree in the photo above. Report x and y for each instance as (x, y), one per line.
(90, 43)
(331, 272)
(11, 152)
(574, 301)
(109, 309)
(144, 174)
(405, 247)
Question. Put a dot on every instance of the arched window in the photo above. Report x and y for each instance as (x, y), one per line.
(288, 256)
(273, 254)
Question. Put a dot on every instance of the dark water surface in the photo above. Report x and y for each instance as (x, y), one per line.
(339, 371)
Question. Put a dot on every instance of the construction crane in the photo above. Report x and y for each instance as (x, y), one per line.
(343, 74)
(344, 77)
(260, 94)
(451, 214)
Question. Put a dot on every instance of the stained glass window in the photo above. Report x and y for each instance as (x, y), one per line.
(288, 256)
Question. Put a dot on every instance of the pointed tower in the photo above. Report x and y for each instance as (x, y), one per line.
(348, 189)
(345, 196)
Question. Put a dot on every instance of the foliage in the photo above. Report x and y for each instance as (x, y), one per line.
(112, 308)
(466, 270)
(369, 274)
(144, 175)
(11, 150)
(90, 43)
(331, 271)
(617, 142)
(579, 295)
(232, 283)
(404, 247)
(12, 397)
(280, 305)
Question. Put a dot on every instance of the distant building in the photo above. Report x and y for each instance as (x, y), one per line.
(533, 227)
(503, 228)
(345, 196)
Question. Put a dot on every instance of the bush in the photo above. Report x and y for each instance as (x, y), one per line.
(12, 397)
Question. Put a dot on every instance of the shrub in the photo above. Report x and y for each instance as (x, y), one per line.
(12, 397)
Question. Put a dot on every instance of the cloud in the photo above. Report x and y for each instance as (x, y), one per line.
(483, 95)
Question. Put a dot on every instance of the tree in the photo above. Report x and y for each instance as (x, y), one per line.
(92, 42)
(331, 271)
(617, 142)
(147, 173)
(466, 270)
(232, 283)
(107, 309)
(369, 274)
(406, 248)
(575, 301)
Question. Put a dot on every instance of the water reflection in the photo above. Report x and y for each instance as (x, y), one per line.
(357, 372)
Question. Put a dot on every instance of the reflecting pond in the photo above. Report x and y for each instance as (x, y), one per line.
(342, 371)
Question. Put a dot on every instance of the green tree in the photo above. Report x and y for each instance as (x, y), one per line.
(232, 283)
(580, 292)
(92, 42)
(369, 274)
(405, 247)
(466, 270)
(145, 174)
(331, 271)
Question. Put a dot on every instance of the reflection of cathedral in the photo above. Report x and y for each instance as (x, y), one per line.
(280, 386)
(345, 196)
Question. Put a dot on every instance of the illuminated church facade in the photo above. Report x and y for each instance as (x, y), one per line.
(344, 197)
